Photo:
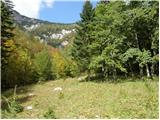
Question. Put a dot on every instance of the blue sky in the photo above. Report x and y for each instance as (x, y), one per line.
(63, 11)
(60, 11)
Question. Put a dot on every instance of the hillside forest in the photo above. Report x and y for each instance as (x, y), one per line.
(112, 42)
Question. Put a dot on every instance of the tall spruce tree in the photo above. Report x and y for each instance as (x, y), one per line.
(6, 31)
(80, 51)
(7, 44)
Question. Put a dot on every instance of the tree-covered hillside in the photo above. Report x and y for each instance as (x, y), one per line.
(26, 59)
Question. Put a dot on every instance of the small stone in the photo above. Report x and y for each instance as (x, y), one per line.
(29, 108)
(82, 78)
(31, 94)
(79, 79)
(97, 116)
(58, 89)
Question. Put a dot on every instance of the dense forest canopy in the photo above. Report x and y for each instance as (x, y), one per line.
(118, 38)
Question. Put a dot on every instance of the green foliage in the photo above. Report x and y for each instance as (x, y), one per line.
(49, 114)
(62, 65)
(120, 39)
(14, 106)
(144, 57)
(19, 70)
(130, 53)
(43, 65)
(71, 69)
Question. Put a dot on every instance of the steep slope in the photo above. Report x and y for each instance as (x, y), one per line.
(23, 20)
(55, 34)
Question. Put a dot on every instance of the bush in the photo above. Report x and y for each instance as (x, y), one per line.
(43, 65)
(14, 107)
(62, 65)
(71, 69)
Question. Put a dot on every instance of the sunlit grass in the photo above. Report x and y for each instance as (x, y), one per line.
(90, 99)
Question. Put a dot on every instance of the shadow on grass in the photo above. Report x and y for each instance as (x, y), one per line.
(24, 99)
(20, 90)
(21, 96)
(119, 79)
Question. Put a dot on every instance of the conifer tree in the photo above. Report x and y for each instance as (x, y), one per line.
(7, 44)
(82, 40)
(6, 31)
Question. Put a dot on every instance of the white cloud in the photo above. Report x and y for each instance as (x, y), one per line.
(48, 3)
(31, 8)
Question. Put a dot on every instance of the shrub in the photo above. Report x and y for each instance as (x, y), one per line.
(71, 69)
(62, 65)
(14, 106)
(43, 65)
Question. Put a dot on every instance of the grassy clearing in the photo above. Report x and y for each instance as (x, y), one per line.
(89, 99)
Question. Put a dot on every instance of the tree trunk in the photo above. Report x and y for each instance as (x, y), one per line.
(125, 74)
(130, 67)
(152, 69)
(153, 65)
(147, 71)
(105, 73)
(89, 76)
(137, 42)
(141, 70)
(114, 73)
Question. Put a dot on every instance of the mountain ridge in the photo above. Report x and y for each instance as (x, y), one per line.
(54, 34)
(24, 20)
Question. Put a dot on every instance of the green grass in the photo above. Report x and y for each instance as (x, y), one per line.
(89, 99)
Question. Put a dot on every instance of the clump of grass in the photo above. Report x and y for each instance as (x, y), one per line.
(61, 95)
(13, 106)
(49, 114)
